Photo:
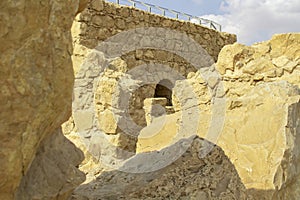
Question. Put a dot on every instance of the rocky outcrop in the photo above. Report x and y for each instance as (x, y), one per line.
(53, 174)
(260, 132)
(36, 79)
(255, 123)
(267, 134)
(277, 59)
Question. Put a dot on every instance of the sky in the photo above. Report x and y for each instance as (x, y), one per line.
(251, 20)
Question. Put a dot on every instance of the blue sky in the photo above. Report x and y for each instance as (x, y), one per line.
(192, 7)
(251, 20)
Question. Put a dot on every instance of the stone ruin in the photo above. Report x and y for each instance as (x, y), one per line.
(147, 123)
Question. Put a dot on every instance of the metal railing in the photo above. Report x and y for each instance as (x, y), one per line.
(168, 13)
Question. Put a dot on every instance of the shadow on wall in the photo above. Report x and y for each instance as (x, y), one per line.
(55, 164)
(188, 176)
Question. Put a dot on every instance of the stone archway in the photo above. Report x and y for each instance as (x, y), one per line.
(164, 89)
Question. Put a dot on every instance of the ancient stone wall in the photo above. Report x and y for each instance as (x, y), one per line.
(260, 131)
(102, 19)
(248, 103)
(100, 22)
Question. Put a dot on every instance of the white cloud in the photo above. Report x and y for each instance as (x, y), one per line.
(255, 21)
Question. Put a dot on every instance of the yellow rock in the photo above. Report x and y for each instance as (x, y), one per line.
(36, 76)
(260, 132)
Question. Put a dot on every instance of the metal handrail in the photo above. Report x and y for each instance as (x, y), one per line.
(176, 14)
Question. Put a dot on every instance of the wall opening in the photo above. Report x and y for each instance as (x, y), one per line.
(164, 89)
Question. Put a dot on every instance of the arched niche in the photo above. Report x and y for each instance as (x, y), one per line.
(164, 89)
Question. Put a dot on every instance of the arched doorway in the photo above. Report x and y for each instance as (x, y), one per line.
(164, 89)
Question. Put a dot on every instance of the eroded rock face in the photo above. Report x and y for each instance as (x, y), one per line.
(188, 177)
(260, 134)
(260, 71)
(262, 130)
(53, 174)
(36, 79)
(276, 59)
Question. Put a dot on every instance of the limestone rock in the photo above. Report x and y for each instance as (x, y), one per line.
(261, 120)
(280, 56)
(236, 51)
(82, 5)
(268, 127)
(53, 173)
(269, 120)
(158, 134)
(36, 79)
(277, 59)
(154, 107)
(257, 124)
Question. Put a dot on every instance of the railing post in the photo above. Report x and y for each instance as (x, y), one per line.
(175, 14)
